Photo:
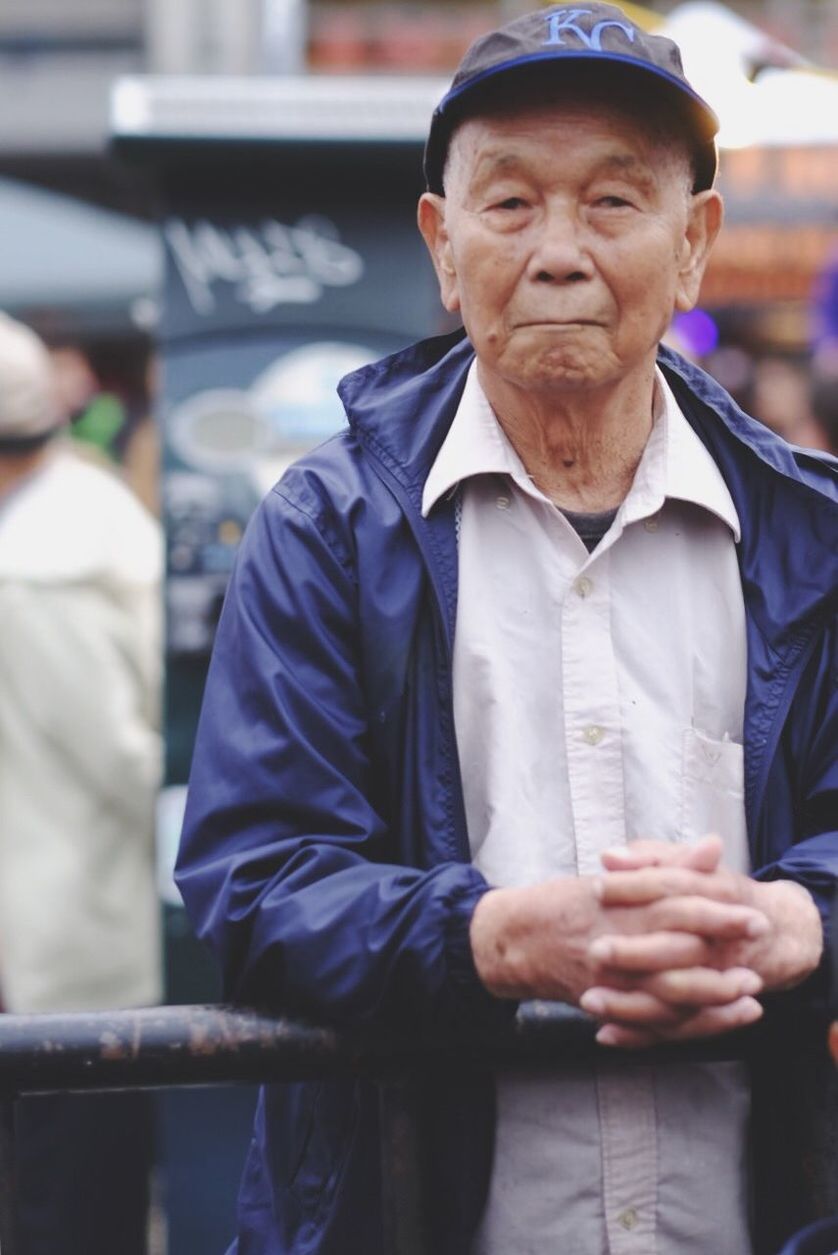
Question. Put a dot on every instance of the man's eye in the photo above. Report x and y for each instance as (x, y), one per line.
(511, 202)
(613, 202)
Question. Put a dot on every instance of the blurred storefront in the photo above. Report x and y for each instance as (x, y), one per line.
(374, 34)
(781, 225)
(750, 59)
(779, 239)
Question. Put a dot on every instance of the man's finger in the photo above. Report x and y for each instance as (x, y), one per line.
(626, 1038)
(630, 1007)
(705, 855)
(703, 986)
(648, 884)
(717, 921)
(705, 1023)
(670, 997)
(654, 948)
(649, 952)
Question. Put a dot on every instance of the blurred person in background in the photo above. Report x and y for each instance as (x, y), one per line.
(788, 395)
(781, 399)
(105, 388)
(80, 564)
(823, 395)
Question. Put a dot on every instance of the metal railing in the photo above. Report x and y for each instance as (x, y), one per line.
(209, 1045)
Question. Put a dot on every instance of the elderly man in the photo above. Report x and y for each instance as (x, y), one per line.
(493, 663)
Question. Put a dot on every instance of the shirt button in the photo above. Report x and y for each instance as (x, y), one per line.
(502, 503)
(583, 587)
(629, 1218)
(652, 524)
(593, 734)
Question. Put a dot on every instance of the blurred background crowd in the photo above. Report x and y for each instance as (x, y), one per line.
(195, 315)
(86, 271)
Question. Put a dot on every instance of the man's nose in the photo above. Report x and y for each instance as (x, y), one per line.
(560, 254)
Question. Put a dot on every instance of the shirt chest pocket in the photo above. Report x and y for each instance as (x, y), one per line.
(713, 795)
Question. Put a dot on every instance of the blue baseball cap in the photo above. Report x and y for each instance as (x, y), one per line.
(599, 35)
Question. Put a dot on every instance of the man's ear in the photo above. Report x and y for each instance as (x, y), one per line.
(704, 222)
(431, 219)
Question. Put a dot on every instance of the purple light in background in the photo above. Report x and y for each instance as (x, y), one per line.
(697, 330)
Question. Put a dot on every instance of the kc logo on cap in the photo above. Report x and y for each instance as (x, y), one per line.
(568, 21)
(599, 41)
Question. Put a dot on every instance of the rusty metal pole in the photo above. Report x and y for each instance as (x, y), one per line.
(402, 1197)
(9, 1244)
(164, 1046)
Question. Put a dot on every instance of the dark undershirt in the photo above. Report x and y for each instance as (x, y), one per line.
(590, 527)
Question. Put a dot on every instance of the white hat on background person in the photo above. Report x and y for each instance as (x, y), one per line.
(29, 406)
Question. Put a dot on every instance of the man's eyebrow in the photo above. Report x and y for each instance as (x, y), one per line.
(629, 165)
(499, 162)
(496, 164)
(502, 161)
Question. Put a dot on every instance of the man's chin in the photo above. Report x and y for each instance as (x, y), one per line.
(558, 355)
(561, 371)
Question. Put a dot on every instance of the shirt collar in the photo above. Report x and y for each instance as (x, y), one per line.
(476, 444)
(675, 462)
(677, 465)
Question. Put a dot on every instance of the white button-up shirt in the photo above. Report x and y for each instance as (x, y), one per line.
(598, 698)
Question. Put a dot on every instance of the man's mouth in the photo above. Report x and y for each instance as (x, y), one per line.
(560, 324)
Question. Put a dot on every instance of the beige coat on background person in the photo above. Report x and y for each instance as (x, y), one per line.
(80, 563)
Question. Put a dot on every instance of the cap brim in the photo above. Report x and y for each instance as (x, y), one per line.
(454, 106)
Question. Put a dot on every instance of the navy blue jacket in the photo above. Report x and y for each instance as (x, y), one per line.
(325, 854)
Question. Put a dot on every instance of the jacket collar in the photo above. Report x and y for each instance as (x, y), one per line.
(783, 496)
(402, 407)
(675, 464)
(806, 466)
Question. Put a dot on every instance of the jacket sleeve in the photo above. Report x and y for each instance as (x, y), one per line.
(804, 801)
(284, 861)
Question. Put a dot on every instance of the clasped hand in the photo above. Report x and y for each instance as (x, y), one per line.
(667, 944)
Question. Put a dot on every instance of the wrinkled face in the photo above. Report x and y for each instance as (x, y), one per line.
(567, 237)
